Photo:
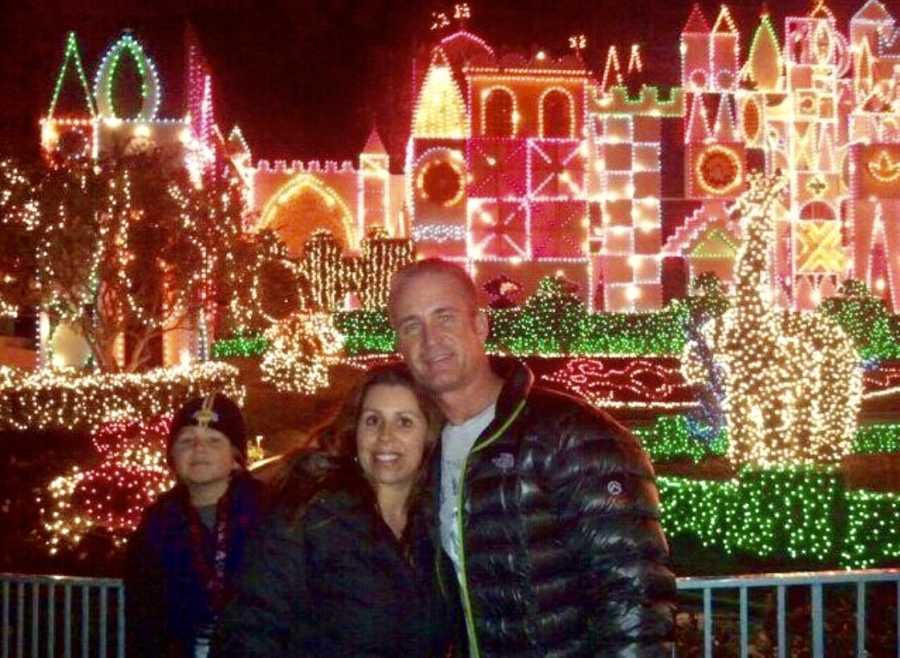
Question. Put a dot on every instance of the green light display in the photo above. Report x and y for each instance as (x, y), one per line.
(796, 513)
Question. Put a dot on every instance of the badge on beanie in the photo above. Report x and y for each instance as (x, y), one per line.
(205, 415)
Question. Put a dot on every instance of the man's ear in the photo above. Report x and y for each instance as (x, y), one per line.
(482, 325)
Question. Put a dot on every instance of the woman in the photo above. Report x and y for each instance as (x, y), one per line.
(344, 565)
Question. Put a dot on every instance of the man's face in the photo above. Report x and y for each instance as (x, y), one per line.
(202, 456)
(439, 334)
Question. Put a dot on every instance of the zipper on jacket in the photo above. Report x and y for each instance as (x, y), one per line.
(463, 581)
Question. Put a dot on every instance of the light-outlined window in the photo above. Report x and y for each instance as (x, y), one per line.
(498, 118)
(557, 114)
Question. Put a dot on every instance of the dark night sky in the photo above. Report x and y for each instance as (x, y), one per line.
(306, 79)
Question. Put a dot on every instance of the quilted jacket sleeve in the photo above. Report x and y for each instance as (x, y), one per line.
(608, 496)
(268, 615)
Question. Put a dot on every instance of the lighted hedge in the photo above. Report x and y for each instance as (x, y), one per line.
(544, 329)
(876, 439)
(669, 438)
(873, 533)
(239, 346)
(556, 325)
(365, 332)
(45, 400)
(803, 514)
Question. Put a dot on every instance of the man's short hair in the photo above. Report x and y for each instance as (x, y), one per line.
(402, 278)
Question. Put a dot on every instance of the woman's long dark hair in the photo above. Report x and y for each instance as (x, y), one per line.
(327, 461)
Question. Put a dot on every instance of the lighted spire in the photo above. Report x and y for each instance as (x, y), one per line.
(635, 63)
(236, 141)
(765, 57)
(612, 72)
(821, 10)
(440, 111)
(374, 145)
(73, 55)
(724, 23)
(696, 23)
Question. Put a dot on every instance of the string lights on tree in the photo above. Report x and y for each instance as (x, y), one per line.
(70, 400)
(302, 349)
(110, 496)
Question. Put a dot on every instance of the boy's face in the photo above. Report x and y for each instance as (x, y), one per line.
(202, 456)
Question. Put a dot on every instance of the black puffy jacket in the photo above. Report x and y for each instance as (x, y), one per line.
(334, 582)
(563, 554)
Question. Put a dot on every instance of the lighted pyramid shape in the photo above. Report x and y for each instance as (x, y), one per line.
(71, 94)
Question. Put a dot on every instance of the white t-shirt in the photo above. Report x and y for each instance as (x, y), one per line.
(456, 442)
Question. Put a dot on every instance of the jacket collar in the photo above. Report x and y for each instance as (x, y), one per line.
(517, 382)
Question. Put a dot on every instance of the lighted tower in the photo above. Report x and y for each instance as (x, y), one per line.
(816, 57)
(715, 155)
(374, 178)
(874, 158)
(695, 52)
(435, 162)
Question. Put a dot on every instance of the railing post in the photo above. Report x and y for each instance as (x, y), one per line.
(860, 620)
(818, 625)
(6, 629)
(782, 623)
(51, 620)
(67, 621)
(120, 622)
(35, 618)
(85, 620)
(20, 619)
(745, 631)
(707, 623)
(103, 613)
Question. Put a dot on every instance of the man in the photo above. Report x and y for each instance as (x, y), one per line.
(548, 508)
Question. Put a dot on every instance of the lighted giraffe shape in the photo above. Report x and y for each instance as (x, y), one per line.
(793, 385)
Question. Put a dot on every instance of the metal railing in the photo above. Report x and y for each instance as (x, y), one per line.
(66, 616)
(62, 616)
(802, 597)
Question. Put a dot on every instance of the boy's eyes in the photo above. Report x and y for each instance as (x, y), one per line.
(187, 442)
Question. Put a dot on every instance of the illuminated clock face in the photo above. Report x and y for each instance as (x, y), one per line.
(440, 182)
(719, 170)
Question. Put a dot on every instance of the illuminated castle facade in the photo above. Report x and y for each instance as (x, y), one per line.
(529, 167)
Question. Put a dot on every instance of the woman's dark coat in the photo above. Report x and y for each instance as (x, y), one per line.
(333, 580)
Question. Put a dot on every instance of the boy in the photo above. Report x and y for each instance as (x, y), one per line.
(190, 541)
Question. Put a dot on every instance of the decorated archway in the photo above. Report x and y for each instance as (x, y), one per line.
(302, 205)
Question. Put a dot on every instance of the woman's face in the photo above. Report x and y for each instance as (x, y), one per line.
(390, 436)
